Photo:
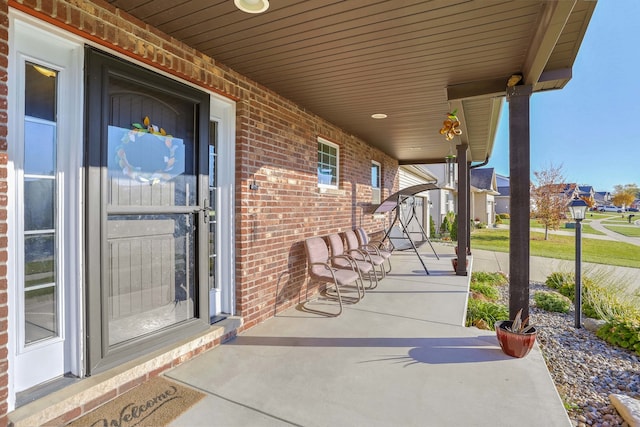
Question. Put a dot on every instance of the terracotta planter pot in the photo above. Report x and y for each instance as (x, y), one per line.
(512, 344)
(454, 263)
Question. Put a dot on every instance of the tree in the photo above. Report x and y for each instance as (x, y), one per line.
(548, 198)
(589, 200)
(624, 195)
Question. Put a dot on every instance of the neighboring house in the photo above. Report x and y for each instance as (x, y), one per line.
(483, 191)
(421, 202)
(586, 192)
(443, 200)
(602, 198)
(502, 199)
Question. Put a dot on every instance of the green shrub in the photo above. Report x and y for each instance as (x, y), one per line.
(432, 226)
(483, 314)
(486, 289)
(568, 289)
(445, 227)
(610, 301)
(557, 279)
(490, 278)
(604, 296)
(552, 301)
(624, 333)
(504, 216)
(454, 229)
(498, 220)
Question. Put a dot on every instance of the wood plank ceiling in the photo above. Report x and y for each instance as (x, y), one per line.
(413, 60)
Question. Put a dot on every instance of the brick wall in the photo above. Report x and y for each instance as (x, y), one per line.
(276, 146)
(281, 156)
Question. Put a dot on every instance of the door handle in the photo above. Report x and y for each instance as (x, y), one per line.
(206, 209)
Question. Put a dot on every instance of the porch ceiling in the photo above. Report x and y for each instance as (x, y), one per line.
(413, 60)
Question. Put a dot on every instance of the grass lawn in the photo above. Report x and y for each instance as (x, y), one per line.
(586, 229)
(532, 223)
(616, 220)
(625, 231)
(599, 215)
(562, 247)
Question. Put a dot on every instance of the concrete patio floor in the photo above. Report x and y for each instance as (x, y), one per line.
(399, 357)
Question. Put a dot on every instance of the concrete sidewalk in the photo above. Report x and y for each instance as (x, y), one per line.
(540, 267)
(399, 357)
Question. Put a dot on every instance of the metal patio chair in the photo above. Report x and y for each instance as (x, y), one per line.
(338, 255)
(320, 268)
(374, 246)
(354, 249)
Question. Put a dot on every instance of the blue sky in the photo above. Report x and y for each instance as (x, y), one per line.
(588, 127)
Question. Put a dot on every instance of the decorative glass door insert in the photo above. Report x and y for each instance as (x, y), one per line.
(151, 202)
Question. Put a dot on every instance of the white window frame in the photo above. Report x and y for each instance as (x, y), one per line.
(376, 187)
(43, 38)
(328, 143)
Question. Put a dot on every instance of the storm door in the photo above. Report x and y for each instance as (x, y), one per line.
(148, 191)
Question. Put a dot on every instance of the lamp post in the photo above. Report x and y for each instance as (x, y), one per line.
(578, 208)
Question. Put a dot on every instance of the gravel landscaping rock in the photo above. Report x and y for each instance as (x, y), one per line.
(585, 369)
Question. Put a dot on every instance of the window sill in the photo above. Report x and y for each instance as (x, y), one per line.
(332, 191)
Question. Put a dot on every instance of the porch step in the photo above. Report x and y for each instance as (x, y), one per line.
(64, 405)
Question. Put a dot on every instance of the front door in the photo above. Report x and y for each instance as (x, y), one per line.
(148, 210)
(44, 226)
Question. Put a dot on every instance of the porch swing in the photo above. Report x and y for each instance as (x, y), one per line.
(407, 198)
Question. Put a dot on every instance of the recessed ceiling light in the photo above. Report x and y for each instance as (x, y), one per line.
(252, 6)
(378, 116)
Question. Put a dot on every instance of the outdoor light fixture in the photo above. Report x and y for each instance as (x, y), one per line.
(252, 6)
(578, 208)
(45, 71)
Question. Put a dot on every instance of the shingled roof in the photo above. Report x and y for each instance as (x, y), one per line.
(482, 178)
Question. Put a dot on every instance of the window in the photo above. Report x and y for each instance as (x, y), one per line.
(41, 287)
(376, 169)
(328, 160)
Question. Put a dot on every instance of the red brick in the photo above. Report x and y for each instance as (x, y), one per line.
(98, 401)
(123, 388)
(65, 418)
(160, 370)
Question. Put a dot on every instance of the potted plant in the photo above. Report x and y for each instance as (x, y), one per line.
(516, 337)
(454, 263)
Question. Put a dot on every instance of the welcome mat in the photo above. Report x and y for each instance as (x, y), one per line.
(151, 404)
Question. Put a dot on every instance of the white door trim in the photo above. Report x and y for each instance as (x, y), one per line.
(30, 39)
(223, 111)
